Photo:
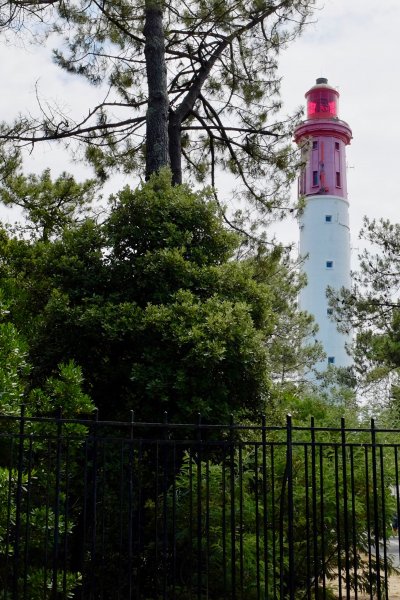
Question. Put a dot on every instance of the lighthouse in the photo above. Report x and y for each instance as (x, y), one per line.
(324, 224)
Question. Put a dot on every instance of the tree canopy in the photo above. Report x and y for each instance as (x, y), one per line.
(189, 83)
(154, 308)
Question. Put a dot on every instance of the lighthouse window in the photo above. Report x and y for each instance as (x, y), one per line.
(315, 177)
(331, 360)
(338, 184)
(329, 264)
(314, 145)
(336, 145)
(328, 218)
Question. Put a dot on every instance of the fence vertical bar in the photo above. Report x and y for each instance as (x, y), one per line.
(56, 535)
(224, 522)
(281, 536)
(9, 519)
(376, 509)
(307, 516)
(85, 516)
(241, 524)
(314, 505)
(289, 455)
(273, 524)
(232, 515)
(174, 562)
(121, 537)
(397, 515)
(322, 518)
(27, 512)
(338, 521)
(265, 506)
(18, 500)
(139, 518)
(345, 506)
(368, 511)
(130, 506)
(101, 500)
(199, 509)
(164, 448)
(157, 514)
(93, 569)
(66, 517)
(257, 502)
(353, 523)
(383, 513)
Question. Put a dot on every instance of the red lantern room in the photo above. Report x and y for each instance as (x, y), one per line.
(323, 137)
(322, 101)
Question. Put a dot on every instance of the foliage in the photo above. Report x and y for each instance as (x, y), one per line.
(13, 368)
(22, 490)
(231, 525)
(22, 510)
(165, 317)
(47, 206)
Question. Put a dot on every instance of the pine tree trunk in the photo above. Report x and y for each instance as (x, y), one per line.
(157, 148)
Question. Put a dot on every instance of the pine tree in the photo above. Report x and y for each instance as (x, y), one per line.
(192, 84)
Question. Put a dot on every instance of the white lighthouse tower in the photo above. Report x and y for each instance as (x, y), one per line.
(324, 225)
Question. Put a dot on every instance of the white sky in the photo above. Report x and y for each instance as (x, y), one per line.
(354, 43)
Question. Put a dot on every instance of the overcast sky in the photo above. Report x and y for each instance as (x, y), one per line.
(354, 43)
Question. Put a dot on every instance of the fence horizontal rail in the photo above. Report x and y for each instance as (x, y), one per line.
(94, 421)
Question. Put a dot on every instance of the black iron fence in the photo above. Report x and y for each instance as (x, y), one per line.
(113, 510)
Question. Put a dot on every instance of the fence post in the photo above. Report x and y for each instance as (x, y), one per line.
(289, 460)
